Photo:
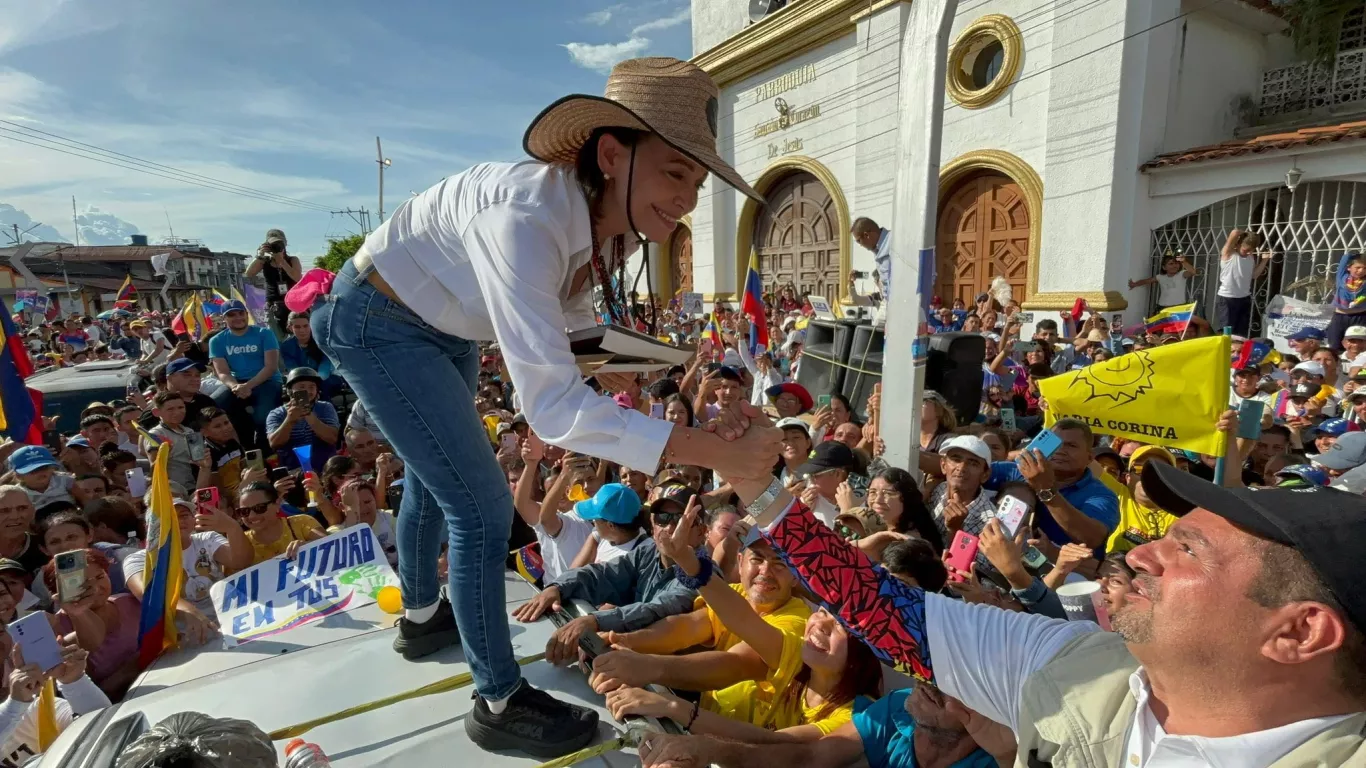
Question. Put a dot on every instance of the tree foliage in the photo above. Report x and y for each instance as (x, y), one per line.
(1316, 25)
(339, 250)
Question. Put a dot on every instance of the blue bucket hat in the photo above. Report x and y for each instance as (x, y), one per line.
(31, 458)
(613, 502)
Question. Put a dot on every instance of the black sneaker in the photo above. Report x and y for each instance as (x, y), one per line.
(534, 723)
(417, 640)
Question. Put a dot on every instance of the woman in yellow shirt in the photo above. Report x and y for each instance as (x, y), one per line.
(272, 534)
(812, 681)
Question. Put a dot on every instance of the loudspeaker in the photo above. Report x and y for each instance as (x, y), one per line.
(954, 370)
(865, 366)
(826, 343)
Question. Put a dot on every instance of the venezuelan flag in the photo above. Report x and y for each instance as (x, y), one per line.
(1171, 320)
(192, 320)
(711, 333)
(1254, 353)
(214, 304)
(20, 407)
(156, 625)
(752, 305)
(127, 293)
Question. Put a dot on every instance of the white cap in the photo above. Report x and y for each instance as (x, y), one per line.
(792, 421)
(1355, 332)
(1310, 367)
(731, 359)
(970, 443)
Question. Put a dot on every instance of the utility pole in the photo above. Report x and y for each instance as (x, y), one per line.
(74, 225)
(383, 163)
(924, 49)
(361, 217)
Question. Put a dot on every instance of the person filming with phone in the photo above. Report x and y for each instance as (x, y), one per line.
(1074, 506)
(303, 421)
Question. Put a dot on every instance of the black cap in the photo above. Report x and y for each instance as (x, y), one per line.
(1304, 389)
(1326, 525)
(830, 454)
(677, 493)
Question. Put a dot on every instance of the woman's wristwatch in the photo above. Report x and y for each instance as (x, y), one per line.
(757, 507)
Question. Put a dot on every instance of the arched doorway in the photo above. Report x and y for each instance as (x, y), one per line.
(983, 233)
(797, 237)
(680, 260)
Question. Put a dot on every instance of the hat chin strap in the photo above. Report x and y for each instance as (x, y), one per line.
(644, 250)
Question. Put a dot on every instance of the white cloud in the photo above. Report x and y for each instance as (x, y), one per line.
(682, 16)
(601, 58)
(599, 18)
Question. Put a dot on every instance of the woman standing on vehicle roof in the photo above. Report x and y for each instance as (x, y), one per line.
(511, 252)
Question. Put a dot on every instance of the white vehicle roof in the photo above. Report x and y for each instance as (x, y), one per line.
(325, 667)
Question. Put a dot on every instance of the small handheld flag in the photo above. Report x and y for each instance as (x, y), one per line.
(156, 625)
(1171, 320)
(752, 305)
(20, 407)
(711, 333)
(128, 295)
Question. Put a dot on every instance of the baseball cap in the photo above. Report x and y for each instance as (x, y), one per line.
(675, 493)
(1304, 389)
(31, 458)
(1327, 526)
(834, 455)
(1355, 332)
(1307, 333)
(796, 390)
(1300, 475)
(794, 423)
(1147, 453)
(1348, 452)
(182, 364)
(1310, 367)
(613, 502)
(1333, 427)
(7, 564)
(970, 443)
(1355, 394)
(79, 441)
(276, 236)
(233, 305)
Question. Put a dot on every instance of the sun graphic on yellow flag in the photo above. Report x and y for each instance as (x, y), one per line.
(1122, 379)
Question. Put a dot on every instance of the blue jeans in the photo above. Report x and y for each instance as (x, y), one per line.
(418, 385)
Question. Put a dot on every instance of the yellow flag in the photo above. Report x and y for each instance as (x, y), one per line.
(1170, 395)
(47, 715)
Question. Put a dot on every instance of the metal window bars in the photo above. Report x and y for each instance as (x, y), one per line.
(1307, 230)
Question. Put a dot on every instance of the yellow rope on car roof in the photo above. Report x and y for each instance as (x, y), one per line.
(440, 686)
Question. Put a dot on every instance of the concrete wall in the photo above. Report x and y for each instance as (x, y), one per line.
(714, 21)
(1216, 75)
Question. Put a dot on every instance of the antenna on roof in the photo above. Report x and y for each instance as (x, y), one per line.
(168, 223)
(74, 225)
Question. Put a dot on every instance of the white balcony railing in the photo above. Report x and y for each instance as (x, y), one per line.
(1310, 86)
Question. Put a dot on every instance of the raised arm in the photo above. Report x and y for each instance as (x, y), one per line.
(1231, 244)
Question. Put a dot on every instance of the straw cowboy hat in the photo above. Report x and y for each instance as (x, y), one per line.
(672, 99)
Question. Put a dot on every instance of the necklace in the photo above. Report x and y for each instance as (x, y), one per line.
(613, 303)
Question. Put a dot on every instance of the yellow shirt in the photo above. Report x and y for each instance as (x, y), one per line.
(775, 703)
(790, 620)
(1137, 524)
(297, 528)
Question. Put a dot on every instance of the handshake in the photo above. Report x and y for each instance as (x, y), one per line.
(750, 449)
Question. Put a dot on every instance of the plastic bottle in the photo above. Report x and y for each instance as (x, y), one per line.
(303, 754)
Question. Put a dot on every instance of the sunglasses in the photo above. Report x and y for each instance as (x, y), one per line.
(666, 519)
(255, 509)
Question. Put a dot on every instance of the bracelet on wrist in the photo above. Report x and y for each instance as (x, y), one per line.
(696, 708)
(703, 576)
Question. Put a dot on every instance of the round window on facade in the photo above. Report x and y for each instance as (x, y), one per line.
(983, 61)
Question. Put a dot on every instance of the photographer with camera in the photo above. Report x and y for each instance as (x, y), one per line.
(303, 420)
(281, 272)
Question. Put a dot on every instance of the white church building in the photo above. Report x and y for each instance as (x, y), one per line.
(1082, 140)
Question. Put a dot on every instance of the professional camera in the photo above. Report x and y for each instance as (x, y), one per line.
(275, 247)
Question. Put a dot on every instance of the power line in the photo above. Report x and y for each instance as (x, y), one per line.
(110, 158)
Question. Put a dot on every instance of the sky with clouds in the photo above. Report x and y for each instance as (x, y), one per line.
(285, 98)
